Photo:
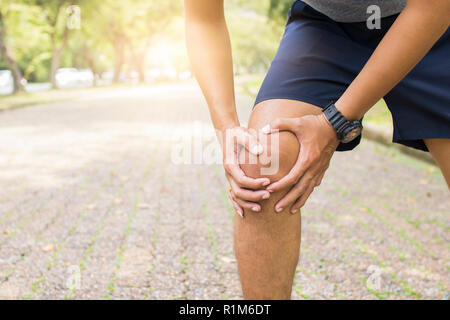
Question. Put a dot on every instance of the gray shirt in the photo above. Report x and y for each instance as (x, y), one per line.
(355, 10)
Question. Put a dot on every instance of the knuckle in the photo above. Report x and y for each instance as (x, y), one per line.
(239, 180)
(238, 193)
(311, 159)
(308, 181)
(291, 180)
(300, 189)
(314, 156)
(257, 197)
(306, 161)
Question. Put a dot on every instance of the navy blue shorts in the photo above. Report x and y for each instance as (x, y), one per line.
(318, 58)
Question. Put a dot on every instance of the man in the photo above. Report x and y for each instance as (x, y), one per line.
(329, 70)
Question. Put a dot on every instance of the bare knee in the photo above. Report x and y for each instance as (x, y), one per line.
(279, 156)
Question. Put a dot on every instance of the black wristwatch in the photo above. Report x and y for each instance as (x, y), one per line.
(346, 130)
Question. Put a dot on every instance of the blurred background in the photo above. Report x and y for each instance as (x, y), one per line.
(95, 95)
(49, 44)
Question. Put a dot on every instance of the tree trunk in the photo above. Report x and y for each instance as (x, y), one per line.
(56, 53)
(89, 56)
(9, 60)
(139, 55)
(140, 67)
(119, 48)
(56, 59)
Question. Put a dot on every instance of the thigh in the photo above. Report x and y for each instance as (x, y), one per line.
(268, 110)
(440, 150)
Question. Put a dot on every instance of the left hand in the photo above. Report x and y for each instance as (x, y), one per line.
(318, 141)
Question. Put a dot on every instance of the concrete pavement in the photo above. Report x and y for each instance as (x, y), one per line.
(92, 205)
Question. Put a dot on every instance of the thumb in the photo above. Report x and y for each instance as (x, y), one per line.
(282, 124)
(249, 142)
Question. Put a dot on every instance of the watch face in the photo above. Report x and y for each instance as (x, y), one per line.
(352, 134)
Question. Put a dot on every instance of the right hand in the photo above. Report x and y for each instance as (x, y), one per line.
(244, 192)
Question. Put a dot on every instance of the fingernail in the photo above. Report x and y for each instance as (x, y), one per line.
(256, 150)
(266, 196)
(266, 129)
(294, 211)
(255, 209)
(240, 213)
(266, 183)
(279, 210)
(270, 190)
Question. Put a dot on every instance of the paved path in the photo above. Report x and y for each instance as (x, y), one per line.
(91, 206)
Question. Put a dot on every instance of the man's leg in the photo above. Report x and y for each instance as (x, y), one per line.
(440, 150)
(267, 243)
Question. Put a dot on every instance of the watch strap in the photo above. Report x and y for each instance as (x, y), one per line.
(336, 119)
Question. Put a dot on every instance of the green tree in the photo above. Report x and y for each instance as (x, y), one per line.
(132, 25)
(278, 9)
(91, 48)
(57, 28)
(5, 51)
(255, 33)
(150, 19)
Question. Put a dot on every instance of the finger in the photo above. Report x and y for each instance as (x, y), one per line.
(248, 195)
(236, 173)
(320, 178)
(249, 142)
(302, 200)
(236, 207)
(295, 193)
(306, 161)
(246, 204)
(282, 124)
(292, 177)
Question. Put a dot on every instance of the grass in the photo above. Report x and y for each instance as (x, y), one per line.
(379, 114)
(22, 100)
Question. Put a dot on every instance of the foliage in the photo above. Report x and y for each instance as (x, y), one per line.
(129, 35)
(255, 29)
(278, 9)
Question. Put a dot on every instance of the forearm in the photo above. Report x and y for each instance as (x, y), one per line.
(412, 35)
(209, 50)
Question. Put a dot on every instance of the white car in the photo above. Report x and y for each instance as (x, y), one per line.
(86, 77)
(72, 78)
(6, 82)
(66, 78)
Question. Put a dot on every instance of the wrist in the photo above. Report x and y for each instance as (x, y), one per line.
(221, 130)
(346, 130)
(331, 132)
(347, 111)
(226, 126)
(223, 121)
